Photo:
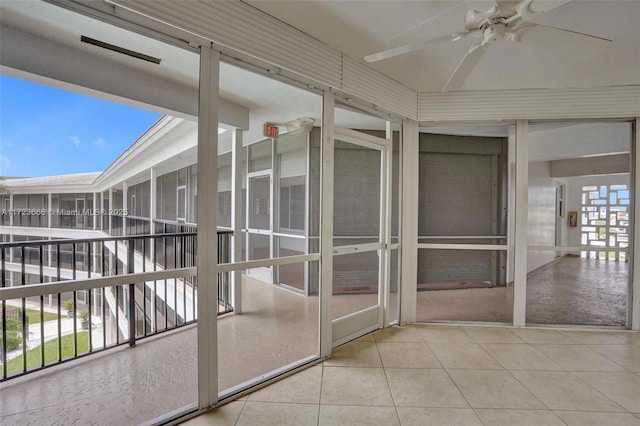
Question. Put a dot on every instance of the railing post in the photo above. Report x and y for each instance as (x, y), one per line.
(132, 292)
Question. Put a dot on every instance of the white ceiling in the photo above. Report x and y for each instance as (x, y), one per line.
(359, 28)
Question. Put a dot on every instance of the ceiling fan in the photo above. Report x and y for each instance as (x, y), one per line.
(505, 20)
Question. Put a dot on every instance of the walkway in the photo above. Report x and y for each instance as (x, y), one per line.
(450, 375)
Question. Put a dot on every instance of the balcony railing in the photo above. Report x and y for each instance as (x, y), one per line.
(64, 299)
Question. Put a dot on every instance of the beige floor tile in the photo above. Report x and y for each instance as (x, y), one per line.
(520, 357)
(560, 390)
(355, 354)
(622, 388)
(411, 416)
(585, 418)
(424, 388)
(442, 333)
(491, 417)
(366, 338)
(627, 356)
(631, 337)
(357, 415)
(591, 337)
(407, 355)
(578, 358)
(302, 388)
(222, 416)
(463, 355)
(534, 335)
(278, 414)
(492, 335)
(398, 334)
(355, 386)
(493, 389)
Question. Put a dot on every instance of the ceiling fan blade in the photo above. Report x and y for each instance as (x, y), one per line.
(465, 67)
(562, 42)
(529, 9)
(412, 47)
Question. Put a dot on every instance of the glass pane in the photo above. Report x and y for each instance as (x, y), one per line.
(291, 275)
(463, 199)
(356, 216)
(260, 202)
(463, 285)
(259, 246)
(588, 286)
(274, 326)
(355, 282)
(260, 156)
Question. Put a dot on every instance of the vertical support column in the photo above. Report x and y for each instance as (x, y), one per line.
(521, 223)
(153, 197)
(236, 218)
(125, 206)
(386, 251)
(11, 210)
(110, 210)
(94, 216)
(50, 206)
(409, 229)
(326, 224)
(207, 260)
(102, 210)
(634, 293)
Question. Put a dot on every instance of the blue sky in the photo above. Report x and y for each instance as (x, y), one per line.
(47, 131)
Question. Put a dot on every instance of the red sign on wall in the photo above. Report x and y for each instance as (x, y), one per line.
(271, 130)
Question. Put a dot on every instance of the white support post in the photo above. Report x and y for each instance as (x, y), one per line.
(110, 209)
(326, 224)
(125, 206)
(409, 229)
(236, 218)
(153, 197)
(50, 206)
(634, 294)
(386, 226)
(11, 210)
(102, 210)
(521, 224)
(94, 217)
(207, 260)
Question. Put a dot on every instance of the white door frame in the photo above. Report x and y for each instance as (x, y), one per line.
(358, 323)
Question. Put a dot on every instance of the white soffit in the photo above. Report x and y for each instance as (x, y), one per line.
(248, 30)
(377, 88)
(241, 27)
(534, 104)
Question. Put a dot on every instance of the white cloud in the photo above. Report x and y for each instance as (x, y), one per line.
(76, 141)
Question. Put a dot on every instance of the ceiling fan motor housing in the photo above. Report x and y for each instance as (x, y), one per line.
(494, 33)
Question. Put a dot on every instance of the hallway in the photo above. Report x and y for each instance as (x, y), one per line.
(579, 291)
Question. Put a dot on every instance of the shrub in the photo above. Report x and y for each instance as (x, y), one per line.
(14, 338)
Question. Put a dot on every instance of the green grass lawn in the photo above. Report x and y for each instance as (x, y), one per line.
(34, 356)
(34, 316)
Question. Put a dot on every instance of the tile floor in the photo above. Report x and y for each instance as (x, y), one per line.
(456, 375)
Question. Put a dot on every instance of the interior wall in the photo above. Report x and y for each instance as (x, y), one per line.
(542, 213)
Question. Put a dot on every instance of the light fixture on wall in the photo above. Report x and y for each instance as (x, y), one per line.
(297, 126)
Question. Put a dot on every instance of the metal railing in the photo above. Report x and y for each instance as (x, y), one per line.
(64, 299)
